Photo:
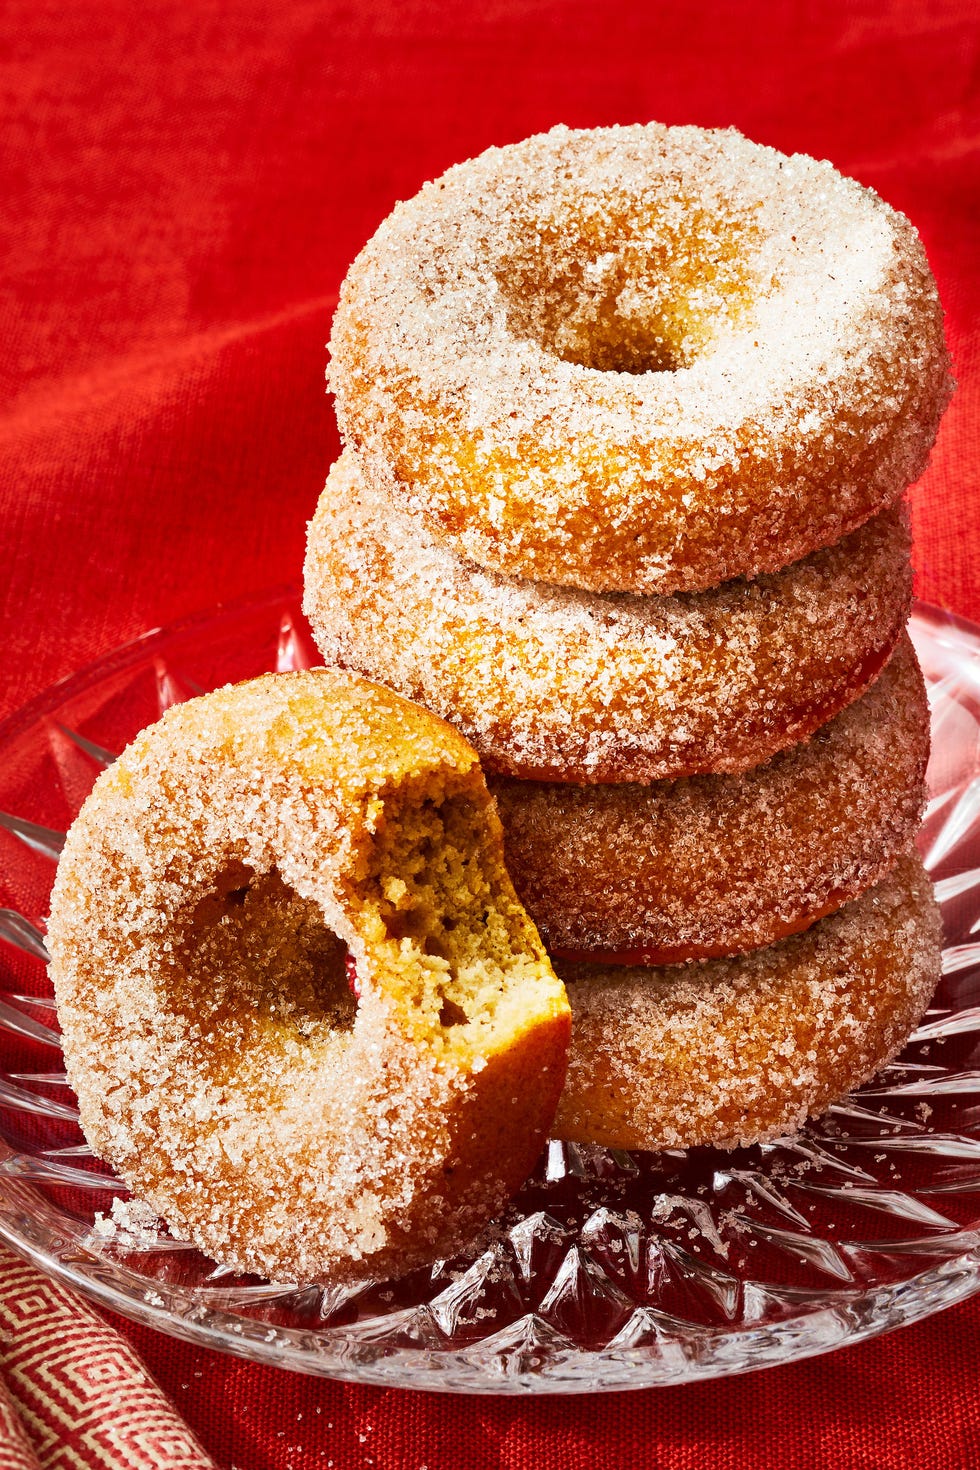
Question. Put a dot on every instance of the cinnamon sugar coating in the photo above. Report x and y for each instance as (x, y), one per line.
(641, 358)
(716, 865)
(731, 1052)
(557, 684)
(208, 895)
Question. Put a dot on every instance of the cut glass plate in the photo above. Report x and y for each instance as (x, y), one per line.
(609, 1270)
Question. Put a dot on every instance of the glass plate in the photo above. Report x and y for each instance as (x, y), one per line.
(610, 1270)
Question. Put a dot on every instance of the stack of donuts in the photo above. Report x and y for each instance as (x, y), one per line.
(629, 415)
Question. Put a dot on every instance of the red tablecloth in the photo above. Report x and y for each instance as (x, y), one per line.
(183, 186)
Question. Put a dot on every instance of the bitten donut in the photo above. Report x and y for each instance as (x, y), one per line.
(716, 865)
(555, 684)
(641, 358)
(732, 1052)
(208, 896)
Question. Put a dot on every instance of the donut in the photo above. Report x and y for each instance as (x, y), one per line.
(731, 1052)
(210, 891)
(641, 358)
(555, 684)
(716, 865)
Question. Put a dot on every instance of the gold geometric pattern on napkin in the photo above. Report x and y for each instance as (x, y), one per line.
(73, 1394)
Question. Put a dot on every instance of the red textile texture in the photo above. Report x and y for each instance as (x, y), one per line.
(16, 1450)
(184, 186)
(73, 1394)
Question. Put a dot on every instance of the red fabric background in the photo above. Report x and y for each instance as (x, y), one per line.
(183, 187)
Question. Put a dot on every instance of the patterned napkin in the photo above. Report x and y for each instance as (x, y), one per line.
(73, 1393)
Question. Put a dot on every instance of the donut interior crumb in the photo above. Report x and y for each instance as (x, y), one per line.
(441, 911)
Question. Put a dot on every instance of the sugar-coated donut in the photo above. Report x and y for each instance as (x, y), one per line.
(641, 358)
(735, 1051)
(556, 684)
(715, 865)
(208, 896)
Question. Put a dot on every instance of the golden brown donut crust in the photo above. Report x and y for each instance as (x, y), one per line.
(735, 1051)
(641, 358)
(716, 865)
(554, 684)
(208, 894)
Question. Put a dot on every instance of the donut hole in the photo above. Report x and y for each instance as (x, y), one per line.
(651, 302)
(617, 346)
(600, 323)
(257, 957)
(456, 942)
